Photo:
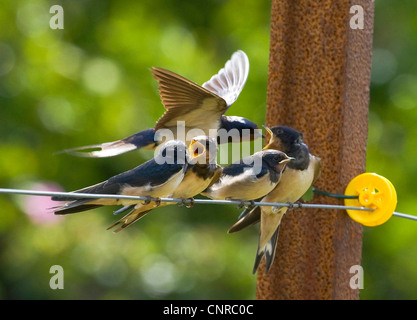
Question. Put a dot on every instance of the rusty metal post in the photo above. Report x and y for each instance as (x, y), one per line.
(319, 77)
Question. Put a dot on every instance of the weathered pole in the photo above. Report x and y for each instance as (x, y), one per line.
(319, 77)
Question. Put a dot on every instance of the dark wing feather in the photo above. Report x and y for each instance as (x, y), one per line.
(143, 139)
(99, 188)
(236, 169)
(186, 101)
(254, 216)
(125, 221)
(149, 172)
(216, 176)
(268, 251)
(76, 206)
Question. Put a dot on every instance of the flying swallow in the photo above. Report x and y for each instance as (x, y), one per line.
(298, 177)
(250, 178)
(157, 177)
(201, 172)
(198, 107)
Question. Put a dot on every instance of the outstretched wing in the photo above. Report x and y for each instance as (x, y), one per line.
(199, 106)
(186, 101)
(229, 81)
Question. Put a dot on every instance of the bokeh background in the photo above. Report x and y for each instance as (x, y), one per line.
(90, 83)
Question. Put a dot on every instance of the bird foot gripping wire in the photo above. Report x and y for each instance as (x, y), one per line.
(148, 200)
(191, 204)
(188, 203)
(292, 205)
(244, 203)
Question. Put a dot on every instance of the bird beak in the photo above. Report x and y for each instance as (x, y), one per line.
(196, 149)
(283, 163)
(271, 135)
(267, 129)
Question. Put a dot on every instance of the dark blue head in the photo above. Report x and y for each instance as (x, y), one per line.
(291, 142)
(173, 152)
(237, 129)
(287, 135)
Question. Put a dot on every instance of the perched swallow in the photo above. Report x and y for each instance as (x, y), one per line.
(298, 177)
(199, 107)
(250, 178)
(157, 177)
(201, 172)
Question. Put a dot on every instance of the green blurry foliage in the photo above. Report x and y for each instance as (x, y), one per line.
(90, 83)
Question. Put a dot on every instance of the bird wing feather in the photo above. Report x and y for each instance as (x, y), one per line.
(230, 80)
(186, 101)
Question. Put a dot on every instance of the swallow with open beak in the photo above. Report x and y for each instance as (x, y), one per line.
(189, 106)
(201, 172)
(250, 178)
(157, 177)
(298, 177)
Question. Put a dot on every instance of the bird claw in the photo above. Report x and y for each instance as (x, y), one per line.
(191, 204)
(290, 205)
(158, 201)
(184, 201)
(241, 205)
(242, 202)
(148, 200)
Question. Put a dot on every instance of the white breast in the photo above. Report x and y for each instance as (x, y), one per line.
(242, 187)
(292, 186)
(190, 186)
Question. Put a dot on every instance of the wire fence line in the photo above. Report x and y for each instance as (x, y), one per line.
(192, 201)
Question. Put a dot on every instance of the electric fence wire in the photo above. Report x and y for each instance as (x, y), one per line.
(193, 201)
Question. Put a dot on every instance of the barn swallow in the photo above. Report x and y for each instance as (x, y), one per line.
(250, 178)
(157, 177)
(200, 107)
(298, 177)
(201, 172)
